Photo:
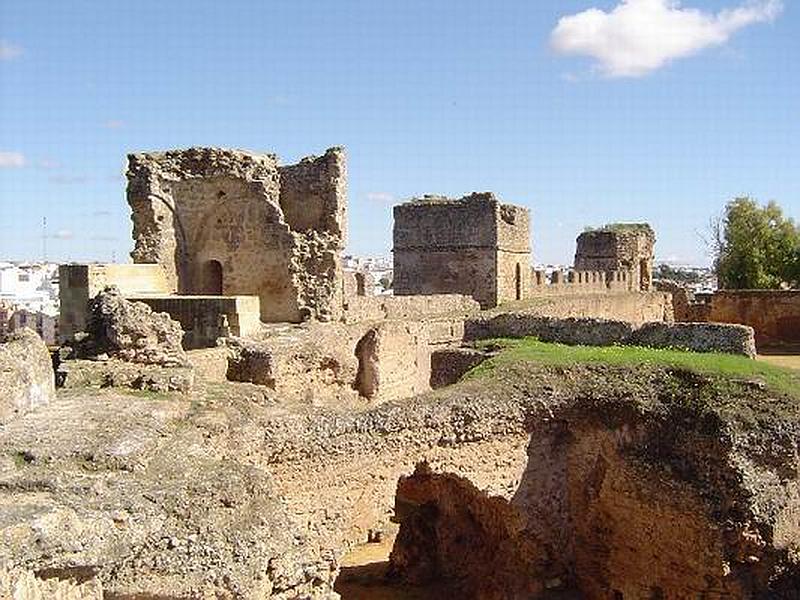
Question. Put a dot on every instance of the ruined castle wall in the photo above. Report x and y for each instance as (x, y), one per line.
(375, 308)
(471, 271)
(313, 194)
(635, 307)
(775, 315)
(581, 282)
(214, 219)
(445, 247)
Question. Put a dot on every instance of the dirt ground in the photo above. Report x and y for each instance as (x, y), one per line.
(790, 361)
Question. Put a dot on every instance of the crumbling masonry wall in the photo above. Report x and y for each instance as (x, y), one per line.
(228, 222)
(619, 247)
(474, 246)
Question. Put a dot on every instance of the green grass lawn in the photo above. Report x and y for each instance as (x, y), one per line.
(724, 365)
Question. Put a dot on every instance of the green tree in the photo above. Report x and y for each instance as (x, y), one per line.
(756, 247)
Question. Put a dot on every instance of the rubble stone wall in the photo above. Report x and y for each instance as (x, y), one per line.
(217, 222)
(358, 309)
(205, 319)
(695, 337)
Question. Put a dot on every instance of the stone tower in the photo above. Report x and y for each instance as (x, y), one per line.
(475, 246)
(619, 247)
(228, 222)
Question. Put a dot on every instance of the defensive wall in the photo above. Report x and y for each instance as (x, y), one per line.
(773, 314)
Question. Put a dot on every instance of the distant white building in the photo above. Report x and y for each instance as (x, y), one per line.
(33, 286)
(29, 298)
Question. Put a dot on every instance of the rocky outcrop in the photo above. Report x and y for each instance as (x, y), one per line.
(19, 584)
(26, 375)
(132, 332)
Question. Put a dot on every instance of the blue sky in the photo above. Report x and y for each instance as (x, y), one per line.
(654, 110)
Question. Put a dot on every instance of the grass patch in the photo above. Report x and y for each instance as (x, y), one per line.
(724, 365)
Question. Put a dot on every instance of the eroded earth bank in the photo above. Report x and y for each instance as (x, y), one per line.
(523, 481)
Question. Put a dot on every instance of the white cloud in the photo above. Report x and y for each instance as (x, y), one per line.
(638, 37)
(9, 51)
(380, 197)
(11, 160)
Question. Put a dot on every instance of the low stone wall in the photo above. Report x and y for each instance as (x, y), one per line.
(79, 283)
(695, 337)
(585, 332)
(118, 373)
(26, 375)
(377, 308)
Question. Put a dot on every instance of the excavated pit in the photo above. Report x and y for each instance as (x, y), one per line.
(539, 482)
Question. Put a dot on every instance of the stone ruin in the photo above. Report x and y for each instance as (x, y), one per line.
(620, 247)
(228, 222)
(476, 246)
(288, 451)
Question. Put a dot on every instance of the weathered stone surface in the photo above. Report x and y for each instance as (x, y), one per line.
(587, 332)
(448, 365)
(118, 373)
(474, 246)
(622, 247)
(137, 495)
(216, 494)
(697, 337)
(26, 375)
(609, 482)
(235, 223)
(335, 364)
(19, 584)
(131, 331)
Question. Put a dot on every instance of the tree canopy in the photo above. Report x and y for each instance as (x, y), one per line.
(756, 247)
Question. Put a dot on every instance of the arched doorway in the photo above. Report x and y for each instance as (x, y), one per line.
(518, 282)
(211, 278)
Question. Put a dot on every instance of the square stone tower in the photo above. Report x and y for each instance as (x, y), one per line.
(475, 246)
(228, 222)
(619, 247)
